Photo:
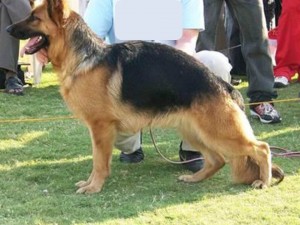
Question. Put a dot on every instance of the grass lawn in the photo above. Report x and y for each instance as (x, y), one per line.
(41, 161)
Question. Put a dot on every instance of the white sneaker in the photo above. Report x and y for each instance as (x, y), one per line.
(281, 82)
(266, 113)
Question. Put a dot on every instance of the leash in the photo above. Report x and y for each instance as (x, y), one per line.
(283, 152)
(274, 101)
(275, 152)
(165, 158)
(225, 50)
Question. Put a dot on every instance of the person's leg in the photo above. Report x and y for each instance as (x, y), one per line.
(212, 13)
(189, 153)
(277, 11)
(10, 12)
(9, 54)
(130, 146)
(9, 48)
(287, 53)
(255, 50)
(17, 10)
(131, 151)
(234, 44)
(269, 11)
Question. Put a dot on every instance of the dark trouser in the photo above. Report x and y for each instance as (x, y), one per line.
(10, 11)
(254, 42)
(234, 44)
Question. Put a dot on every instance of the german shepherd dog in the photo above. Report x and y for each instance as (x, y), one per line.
(126, 87)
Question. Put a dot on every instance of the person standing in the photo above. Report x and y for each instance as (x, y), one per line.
(11, 11)
(287, 55)
(254, 46)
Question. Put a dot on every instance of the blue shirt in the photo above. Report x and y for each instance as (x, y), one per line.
(99, 16)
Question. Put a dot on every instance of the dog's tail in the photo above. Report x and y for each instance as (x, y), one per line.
(245, 170)
(277, 173)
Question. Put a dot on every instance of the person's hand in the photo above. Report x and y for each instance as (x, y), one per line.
(187, 48)
(187, 42)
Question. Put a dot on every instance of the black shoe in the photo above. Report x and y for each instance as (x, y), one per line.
(134, 157)
(193, 166)
(14, 86)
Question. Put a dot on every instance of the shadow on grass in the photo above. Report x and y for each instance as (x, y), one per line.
(49, 192)
(45, 191)
(46, 185)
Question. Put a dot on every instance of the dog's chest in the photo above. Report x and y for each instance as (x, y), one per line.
(81, 97)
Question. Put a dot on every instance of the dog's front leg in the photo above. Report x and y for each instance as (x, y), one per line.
(102, 135)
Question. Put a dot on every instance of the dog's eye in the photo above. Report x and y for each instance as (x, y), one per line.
(34, 18)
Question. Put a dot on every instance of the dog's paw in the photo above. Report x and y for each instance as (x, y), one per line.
(82, 183)
(89, 189)
(90, 186)
(186, 178)
(259, 184)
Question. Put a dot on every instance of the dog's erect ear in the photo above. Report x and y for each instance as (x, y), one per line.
(57, 5)
(31, 3)
(58, 10)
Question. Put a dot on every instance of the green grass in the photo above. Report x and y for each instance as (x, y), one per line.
(41, 161)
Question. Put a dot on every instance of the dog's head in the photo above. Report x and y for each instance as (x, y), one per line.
(42, 25)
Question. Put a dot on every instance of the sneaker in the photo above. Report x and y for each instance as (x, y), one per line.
(266, 113)
(193, 166)
(134, 157)
(281, 82)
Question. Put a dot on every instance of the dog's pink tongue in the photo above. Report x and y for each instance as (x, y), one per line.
(30, 43)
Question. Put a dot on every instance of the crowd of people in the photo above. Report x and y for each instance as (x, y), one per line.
(199, 19)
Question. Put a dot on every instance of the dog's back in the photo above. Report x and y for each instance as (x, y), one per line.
(155, 77)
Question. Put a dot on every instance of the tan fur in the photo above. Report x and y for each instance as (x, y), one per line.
(217, 126)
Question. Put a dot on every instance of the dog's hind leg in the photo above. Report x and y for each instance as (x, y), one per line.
(254, 167)
(102, 135)
(238, 140)
(245, 170)
(262, 155)
(212, 163)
